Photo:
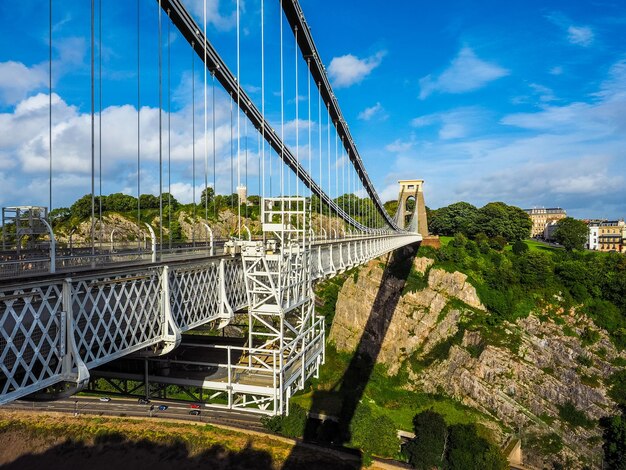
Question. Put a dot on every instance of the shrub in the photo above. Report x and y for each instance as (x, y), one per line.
(374, 435)
(584, 360)
(519, 247)
(617, 391)
(292, 425)
(573, 416)
(466, 449)
(425, 451)
(614, 435)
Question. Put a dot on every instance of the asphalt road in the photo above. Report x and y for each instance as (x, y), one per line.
(119, 406)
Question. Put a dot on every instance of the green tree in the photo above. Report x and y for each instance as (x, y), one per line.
(120, 202)
(82, 207)
(207, 196)
(465, 449)
(571, 233)
(61, 214)
(176, 233)
(392, 206)
(500, 219)
(290, 426)
(426, 450)
(148, 201)
(535, 268)
(459, 217)
(519, 247)
(169, 199)
(614, 436)
(618, 387)
(577, 276)
(374, 435)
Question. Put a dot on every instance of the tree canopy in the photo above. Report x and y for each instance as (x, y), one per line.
(571, 233)
(458, 446)
(426, 450)
(459, 217)
(614, 436)
(495, 219)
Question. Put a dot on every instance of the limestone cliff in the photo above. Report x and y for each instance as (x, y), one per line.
(520, 376)
(126, 231)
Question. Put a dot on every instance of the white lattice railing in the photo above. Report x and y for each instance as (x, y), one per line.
(53, 330)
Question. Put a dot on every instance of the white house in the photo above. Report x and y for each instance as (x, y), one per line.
(592, 236)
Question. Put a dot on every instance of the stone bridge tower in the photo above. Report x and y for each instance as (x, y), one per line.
(411, 214)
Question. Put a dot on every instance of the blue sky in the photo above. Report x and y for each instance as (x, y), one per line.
(521, 102)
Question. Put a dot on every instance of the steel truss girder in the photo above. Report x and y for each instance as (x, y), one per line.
(54, 331)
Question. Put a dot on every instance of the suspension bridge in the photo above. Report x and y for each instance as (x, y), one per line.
(67, 310)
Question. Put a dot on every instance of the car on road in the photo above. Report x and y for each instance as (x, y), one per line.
(163, 407)
(194, 406)
(143, 401)
(194, 412)
(105, 399)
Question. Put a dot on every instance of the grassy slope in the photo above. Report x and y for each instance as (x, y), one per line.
(55, 438)
(384, 394)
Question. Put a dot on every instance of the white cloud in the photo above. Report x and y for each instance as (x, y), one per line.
(454, 124)
(398, 146)
(466, 73)
(569, 155)
(580, 35)
(17, 80)
(24, 149)
(545, 94)
(369, 113)
(348, 69)
(214, 14)
(556, 70)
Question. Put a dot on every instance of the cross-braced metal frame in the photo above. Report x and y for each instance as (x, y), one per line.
(281, 307)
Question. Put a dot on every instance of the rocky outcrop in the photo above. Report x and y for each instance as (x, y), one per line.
(520, 378)
(127, 231)
(421, 319)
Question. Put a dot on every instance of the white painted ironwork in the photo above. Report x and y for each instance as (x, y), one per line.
(54, 330)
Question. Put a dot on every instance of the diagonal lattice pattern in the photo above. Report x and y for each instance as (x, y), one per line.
(195, 294)
(116, 315)
(31, 339)
(235, 284)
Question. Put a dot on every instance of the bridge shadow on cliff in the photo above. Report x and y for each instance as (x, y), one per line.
(359, 371)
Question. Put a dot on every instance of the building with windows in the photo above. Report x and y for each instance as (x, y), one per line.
(541, 217)
(592, 237)
(612, 236)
